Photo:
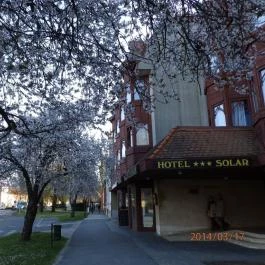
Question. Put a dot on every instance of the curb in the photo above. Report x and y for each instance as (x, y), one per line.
(9, 233)
(61, 253)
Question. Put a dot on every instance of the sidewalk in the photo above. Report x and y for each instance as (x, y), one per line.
(101, 241)
(245, 238)
(94, 243)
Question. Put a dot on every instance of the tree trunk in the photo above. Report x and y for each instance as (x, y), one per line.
(29, 218)
(85, 207)
(41, 208)
(73, 203)
(54, 201)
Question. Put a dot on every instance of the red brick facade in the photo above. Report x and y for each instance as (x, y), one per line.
(253, 97)
(134, 152)
(215, 153)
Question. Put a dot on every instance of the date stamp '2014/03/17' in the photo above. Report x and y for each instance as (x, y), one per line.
(217, 236)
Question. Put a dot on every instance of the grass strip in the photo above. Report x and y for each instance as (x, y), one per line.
(37, 251)
(61, 216)
(67, 217)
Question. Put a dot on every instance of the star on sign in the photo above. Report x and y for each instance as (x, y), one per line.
(209, 163)
(196, 164)
(202, 164)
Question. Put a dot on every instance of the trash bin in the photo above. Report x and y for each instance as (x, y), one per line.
(57, 232)
(123, 217)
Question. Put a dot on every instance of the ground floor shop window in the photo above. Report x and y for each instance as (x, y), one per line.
(147, 207)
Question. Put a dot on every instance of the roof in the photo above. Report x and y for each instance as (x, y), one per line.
(202, 142)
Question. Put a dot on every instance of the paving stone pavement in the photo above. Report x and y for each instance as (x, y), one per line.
(100, 241)
(6, 212)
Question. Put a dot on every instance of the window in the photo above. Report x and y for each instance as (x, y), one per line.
(219, 115)
(129, 137)
(118, 157)
(142, 136)
(128, 93)
(138, 89)
(123, 150)
(215, 67)
(122, 113)
(262, 78)
(118, 127)
(260, 21)
(240, 113)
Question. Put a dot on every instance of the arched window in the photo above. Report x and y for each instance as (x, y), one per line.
(142, 135)
(219, 115)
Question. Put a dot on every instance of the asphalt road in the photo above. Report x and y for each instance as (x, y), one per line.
(13, 224)
(9, 224)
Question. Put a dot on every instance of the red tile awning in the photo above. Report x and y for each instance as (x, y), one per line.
(202, 147)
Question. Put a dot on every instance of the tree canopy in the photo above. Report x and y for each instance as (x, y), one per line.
(50, 157)
(53, 53)
(220, 39)
(71, 51)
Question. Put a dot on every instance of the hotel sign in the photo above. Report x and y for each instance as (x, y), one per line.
(203, 163)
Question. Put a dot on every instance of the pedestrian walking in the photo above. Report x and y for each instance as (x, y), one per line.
(211, 212)
(220, 212)
(92, 207)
